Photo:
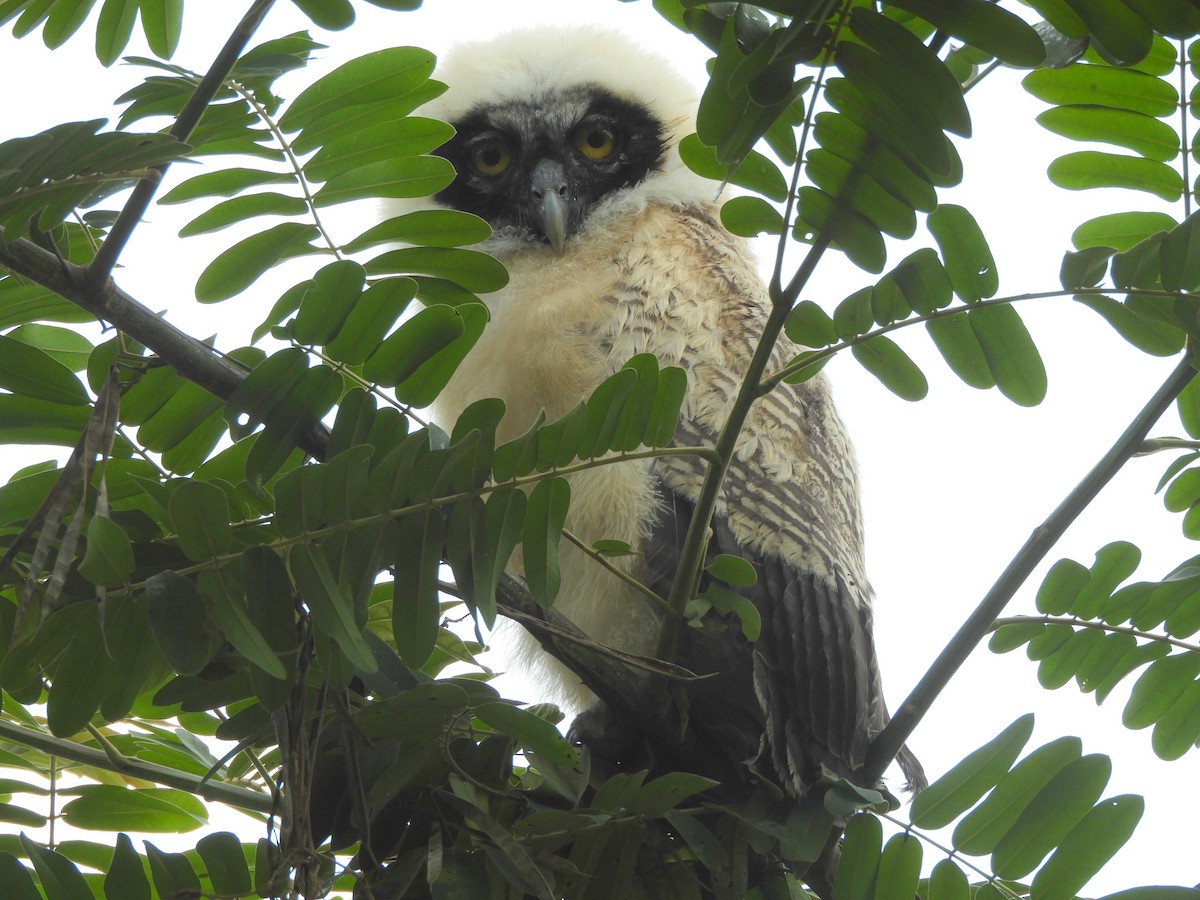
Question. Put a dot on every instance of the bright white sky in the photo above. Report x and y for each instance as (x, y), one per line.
(953, 485)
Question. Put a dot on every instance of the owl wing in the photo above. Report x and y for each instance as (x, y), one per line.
(805, 696)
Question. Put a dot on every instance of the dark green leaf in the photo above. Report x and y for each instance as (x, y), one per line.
(239, 209)
(965, 250)
(162, 22)
(427, 228)
(410, 176)
(415, 606)
(1061, 586)
(172, 873)
(1155, 338)
(180, 622)
(237, 268)
(544, 520)
(955, 339)
(33, 373)
(337, 288)
(899, 868)
(985, 826)
(200, 513)
(109, 557)
(1164, 682)
(958, 790)
(750, 217)
(59, 878)
(1088, 847)
(948, 882)
(1011, 354)
(861, 849)
(1056, 809)
(331, 604)
(884, 359)
(983, 25)
(225, 863)
(126, 878)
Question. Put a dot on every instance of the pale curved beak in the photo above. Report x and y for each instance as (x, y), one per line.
(549, 189)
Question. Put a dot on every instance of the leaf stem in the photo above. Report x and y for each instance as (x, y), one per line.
(889, 741)
(240, 798)
(1098, 626)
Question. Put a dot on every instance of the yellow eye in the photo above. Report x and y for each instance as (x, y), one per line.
(491, 158)
(595, 141)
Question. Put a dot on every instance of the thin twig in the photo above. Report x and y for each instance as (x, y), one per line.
(888, 743)
(1097, 626)
(101, 267)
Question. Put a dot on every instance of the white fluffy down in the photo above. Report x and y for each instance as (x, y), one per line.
(529, 62)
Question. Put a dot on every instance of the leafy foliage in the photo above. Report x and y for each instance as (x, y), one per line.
(252, 547)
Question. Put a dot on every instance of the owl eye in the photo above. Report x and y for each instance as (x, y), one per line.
(595, 141)
(491, 158)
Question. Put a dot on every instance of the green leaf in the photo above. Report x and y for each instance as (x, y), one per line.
(237, 268)
(240, 209)
(415, 601)
(1085, 169)
(180, 622)
(1085, 268)
(750, 217)
(172, 873)
(1056, 809)
(852, 233)
(733, 570)
(332, 607)
(107, 807)
(477, 272)
(810, 326)
(1155, 338)
(1010, 353)
(59, 877)
(223, 183)
(899, 868)
(948, 882)
(378, 308)
(32, 373)
(985, 26)
(985, 826)
(1114, 563)
(1180, 256)
(1061, 586)
(955, 339)
(415, 342)
(928, 78)
(409, 176)
(855, 878)
(1164, 682)
(544, 521)
(965, 250)
(109, 556)
(1088, 847)
(1121, 231)
(1140, 133)
(200, 513)
(529, 730)
(427, 228)
(126, 878)
(113, 29)
(225, 863)
(1104, 86)
(79, 681)
(336, 289)
(1178, 730)
(61, 344)
(884, 359)
(378, 76)
(227, 607)
(389, 139)
(333, 15)
(162, 22)
(958, 790)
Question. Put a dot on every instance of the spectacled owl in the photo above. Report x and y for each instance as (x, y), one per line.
(567, 144)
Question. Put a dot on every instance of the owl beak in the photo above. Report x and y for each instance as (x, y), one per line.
(550, 204)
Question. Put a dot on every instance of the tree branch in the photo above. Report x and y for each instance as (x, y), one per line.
(889, 741)
(190, 357)
(101, 267)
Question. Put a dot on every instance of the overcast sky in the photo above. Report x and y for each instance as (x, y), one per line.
(952, 485)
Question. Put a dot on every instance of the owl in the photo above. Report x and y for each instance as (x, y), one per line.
(567, 143)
